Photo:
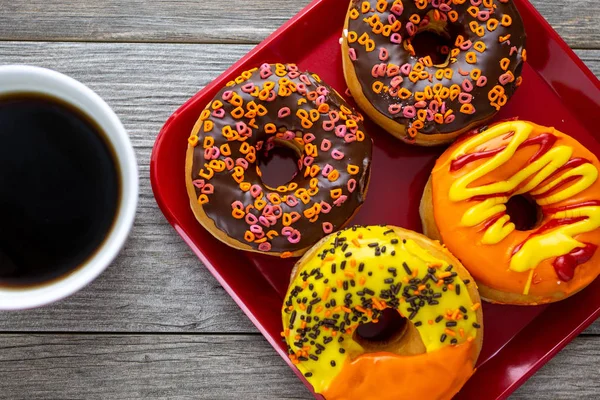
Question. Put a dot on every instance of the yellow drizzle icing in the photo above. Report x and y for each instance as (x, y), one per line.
(369, 267)
(557, 242)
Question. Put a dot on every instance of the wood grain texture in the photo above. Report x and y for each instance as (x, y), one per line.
(156, 284)
(144, 366)
(196, 21)
(211, 367)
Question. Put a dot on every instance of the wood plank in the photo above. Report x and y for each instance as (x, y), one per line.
(572, 374)
(144, 366)
(190, 21)
(156, 284)
(195, 21)
(212, 367)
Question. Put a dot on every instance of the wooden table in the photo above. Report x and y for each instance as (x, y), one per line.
(156, 324)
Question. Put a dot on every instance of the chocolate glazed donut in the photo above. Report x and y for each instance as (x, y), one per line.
(417, 96)
(277, 105)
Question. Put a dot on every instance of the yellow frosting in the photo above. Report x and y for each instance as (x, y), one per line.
(352, 276)
(555, 243)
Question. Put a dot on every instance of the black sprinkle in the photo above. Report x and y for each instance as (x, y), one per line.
(462, 309)
(361, 266)
(342, 351)
(332, 363)
(454, 341)
(394, 241)
(343, 265)
(450, 324)
(348, 254)
(467, 281)
(388, 280)
(406, 268)
(443, 338)
(308, 374)
(389, 231)
(476, 325)
(370, 273)
(393, 253)
(439, 318)
(412, 315)
(372, 245)
(457, 287)
(418, 323)
(313, 357)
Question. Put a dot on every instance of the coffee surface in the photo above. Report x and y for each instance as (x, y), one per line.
(59, 189)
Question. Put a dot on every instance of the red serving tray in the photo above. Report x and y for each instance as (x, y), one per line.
(558, 90)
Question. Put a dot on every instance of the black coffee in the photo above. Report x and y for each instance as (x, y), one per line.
(59, 188)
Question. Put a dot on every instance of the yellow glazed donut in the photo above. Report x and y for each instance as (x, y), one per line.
(380, 312)
(465, 205)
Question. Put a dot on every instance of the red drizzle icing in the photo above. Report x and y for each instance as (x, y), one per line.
(558, 187)
(565, 265)
(545, 140)
(553, 224)
(491, 221)
(589, 203)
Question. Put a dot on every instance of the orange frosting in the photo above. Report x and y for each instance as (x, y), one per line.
(384, 376)
(490, 263)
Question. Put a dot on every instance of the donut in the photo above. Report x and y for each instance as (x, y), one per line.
(380, 312)
(429, 93)
(276, 105)
(467, 205)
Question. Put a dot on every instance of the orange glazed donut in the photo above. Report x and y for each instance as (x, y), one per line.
(465, 205)
(429, 70)
(276, 105)
(380, 312)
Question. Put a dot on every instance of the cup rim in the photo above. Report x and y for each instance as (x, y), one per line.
(61, 86)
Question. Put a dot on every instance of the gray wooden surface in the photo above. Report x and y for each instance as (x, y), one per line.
(144, 328)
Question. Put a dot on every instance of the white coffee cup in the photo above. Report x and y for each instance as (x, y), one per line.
(21, 78)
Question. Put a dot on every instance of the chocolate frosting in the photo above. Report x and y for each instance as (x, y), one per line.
(325, 104)
(466, 25)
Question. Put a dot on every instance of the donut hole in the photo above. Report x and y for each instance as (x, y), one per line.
(436, 38)
(433, 44)
(524, 212)
(391, 327)
(279, 165)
